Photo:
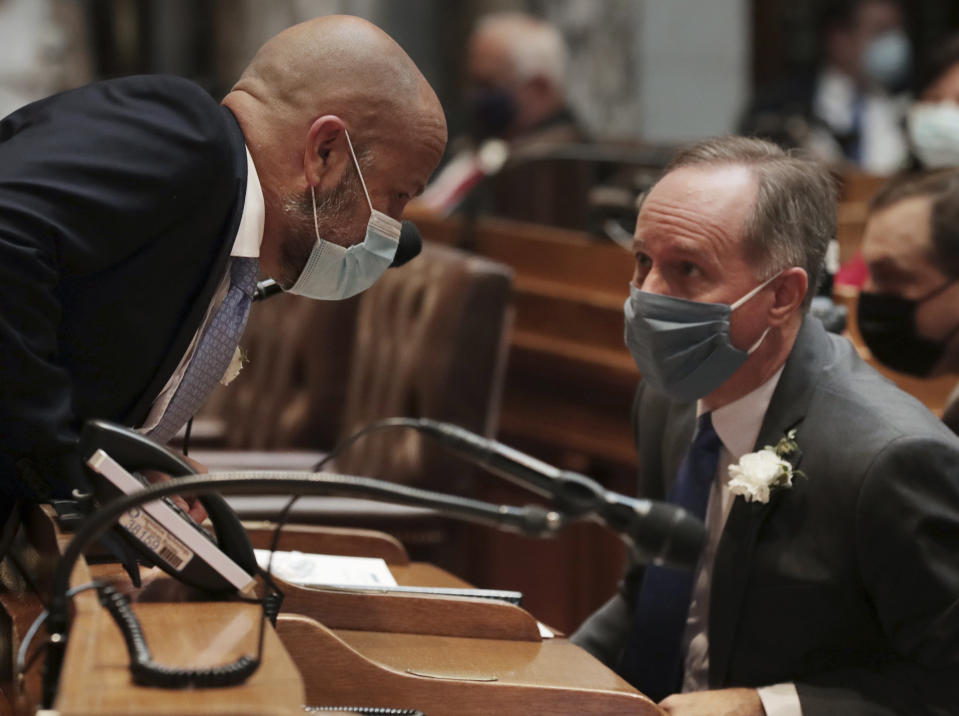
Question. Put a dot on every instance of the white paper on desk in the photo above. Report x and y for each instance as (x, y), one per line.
(308, 569)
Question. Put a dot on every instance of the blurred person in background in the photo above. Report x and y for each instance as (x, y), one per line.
(45, 50)
(933, 131)
(515, 100)
(851, 109)
(909, 306)
(934, 119)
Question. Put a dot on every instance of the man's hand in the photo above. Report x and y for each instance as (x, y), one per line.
(191, 505)
(723, 702)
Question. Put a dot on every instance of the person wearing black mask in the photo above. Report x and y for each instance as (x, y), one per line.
(908, 312)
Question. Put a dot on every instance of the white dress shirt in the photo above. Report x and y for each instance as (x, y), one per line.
(249, 235)
(883, 147)
(737, 425)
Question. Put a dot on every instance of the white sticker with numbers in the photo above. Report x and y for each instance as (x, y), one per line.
(152, 534)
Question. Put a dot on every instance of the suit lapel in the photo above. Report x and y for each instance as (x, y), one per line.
(138, 413)
(734, 556)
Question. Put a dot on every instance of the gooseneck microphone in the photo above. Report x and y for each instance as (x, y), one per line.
(656, 532)
(411, 243)
(409, 247)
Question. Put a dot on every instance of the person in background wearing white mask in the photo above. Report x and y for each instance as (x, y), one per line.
(851, 109)
(934, 119)
(828, 583)
(137, 213)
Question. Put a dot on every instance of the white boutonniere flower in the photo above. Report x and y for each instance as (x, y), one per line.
(236, 365)
(757, 473)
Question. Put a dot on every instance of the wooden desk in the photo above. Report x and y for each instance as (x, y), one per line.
(448, 667)
(449, 675)
(468, 657)
(96, 677)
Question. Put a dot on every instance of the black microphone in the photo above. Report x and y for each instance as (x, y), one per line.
(411, 243)
(409, 247)
(266, 289)
(658, 532)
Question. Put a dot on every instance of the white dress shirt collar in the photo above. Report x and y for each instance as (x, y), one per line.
(738, 423)
(249, 235)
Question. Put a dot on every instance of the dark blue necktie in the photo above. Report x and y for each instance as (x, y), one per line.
(652, 660)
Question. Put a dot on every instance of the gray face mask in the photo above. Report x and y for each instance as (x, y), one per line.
(682, 347)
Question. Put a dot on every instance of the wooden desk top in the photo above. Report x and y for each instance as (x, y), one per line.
(459, 676)
(421, 574)
(98, 682)
(551, 662)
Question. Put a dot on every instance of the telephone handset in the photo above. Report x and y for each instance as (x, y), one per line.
(160, 531)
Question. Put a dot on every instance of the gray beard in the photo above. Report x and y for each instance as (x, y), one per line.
(334, 211)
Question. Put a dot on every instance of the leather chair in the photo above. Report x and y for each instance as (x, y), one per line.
(430, 339)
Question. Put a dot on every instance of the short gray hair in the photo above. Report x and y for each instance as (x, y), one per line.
(536, 48)
(794, 218)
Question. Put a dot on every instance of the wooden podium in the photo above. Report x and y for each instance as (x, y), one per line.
(436, 654)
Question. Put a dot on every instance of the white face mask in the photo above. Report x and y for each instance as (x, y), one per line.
(934, 133)
(333, 272)
(887, 59)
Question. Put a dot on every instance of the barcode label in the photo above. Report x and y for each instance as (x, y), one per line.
(153, 535)
(170, 556)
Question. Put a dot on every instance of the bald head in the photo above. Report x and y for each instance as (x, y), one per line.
(309, 95)
(340, 65)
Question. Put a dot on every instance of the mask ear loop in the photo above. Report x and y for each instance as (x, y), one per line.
(745, 298)
(936, 291)
(357, 165)
(756, 290)
(316, 223)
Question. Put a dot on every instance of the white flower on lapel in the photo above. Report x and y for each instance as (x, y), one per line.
(757, 472)
(236, 365)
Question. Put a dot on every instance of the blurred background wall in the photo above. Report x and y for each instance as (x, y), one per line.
(641, 69)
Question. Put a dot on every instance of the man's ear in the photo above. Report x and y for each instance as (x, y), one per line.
(327, 155)
(791, 288)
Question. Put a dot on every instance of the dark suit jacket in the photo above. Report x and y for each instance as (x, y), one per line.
(846, 584)
(119, 203)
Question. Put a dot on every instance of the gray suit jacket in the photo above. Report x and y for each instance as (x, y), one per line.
(846, 584)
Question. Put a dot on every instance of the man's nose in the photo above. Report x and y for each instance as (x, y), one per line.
(653, 282)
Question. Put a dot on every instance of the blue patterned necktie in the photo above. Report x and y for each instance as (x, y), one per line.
(214, 350)
(652, 660)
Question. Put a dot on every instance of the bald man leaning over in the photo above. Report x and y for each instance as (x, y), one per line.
(137, 213)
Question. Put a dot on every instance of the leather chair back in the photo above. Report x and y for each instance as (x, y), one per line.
(431, 341)
(291, 393)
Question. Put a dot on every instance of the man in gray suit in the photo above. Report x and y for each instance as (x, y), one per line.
(830, 579)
